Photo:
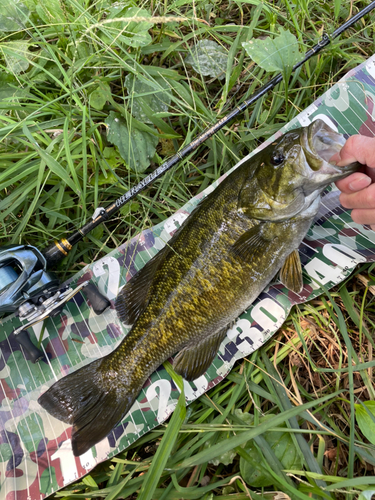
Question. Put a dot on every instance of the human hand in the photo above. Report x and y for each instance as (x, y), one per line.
(358, 189)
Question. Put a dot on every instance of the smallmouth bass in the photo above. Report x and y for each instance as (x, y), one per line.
(217, 263)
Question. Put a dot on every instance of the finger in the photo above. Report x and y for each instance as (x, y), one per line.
(357, 148)
(353, 183)
(361, 199)
(370, 172)
(364, 216)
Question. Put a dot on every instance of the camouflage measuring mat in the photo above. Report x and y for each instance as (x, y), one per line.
(36, 458)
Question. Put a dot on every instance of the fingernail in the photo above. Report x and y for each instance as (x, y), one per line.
(335, 159)
(360, 183)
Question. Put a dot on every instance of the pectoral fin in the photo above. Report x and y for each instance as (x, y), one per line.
(133, 298)
(253, 242)
(291, 272)
(195, 359)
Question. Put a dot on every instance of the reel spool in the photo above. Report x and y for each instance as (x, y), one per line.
(27, 289)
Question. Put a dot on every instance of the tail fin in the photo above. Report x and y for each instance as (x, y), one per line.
(91, 400)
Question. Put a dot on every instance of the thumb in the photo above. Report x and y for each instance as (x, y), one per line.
(357, 148)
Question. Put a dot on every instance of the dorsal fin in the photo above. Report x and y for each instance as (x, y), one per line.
(291, 272)
(196, 358)
(133, 298)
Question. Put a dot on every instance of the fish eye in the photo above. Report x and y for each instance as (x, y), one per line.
(277, 158)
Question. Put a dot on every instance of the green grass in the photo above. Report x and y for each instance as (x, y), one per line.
(64, 72)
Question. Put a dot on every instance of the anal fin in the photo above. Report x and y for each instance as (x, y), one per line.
(194, 360)
(291, 272)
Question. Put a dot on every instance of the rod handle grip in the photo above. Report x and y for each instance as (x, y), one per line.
(33, 353)
(98, 301)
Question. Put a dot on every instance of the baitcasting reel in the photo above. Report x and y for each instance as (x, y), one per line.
(27, 289)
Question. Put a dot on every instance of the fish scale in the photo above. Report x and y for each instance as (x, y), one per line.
(217, 263)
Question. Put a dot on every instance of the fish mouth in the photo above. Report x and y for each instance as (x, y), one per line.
(324, 141)
(321, 143)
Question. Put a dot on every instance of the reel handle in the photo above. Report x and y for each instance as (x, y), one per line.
(34, 354)
(98, 301)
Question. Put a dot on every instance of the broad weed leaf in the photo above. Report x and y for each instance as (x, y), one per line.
(366, 494)
(97, 99)
(100, 96)
(10, 92)
(275, 54)
(50, 12)
(364, 420)
(151, 94)
(16, 56)
(252, 470)
(134, 33)
(102, 180)
(208, 59)
(13, 15)
(227, 457)
(112, 157)
(136, 147)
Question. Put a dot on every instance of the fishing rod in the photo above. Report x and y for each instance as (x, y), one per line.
(33, 293)
(60, 249)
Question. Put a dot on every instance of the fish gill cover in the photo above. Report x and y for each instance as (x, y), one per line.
(36, 457)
